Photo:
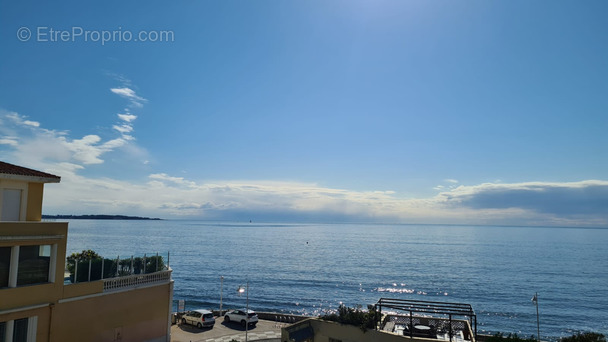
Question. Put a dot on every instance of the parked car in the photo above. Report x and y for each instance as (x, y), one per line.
(199, 318)
(239, 316)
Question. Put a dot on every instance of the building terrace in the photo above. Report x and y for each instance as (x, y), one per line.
(426, 319)
(116, 274)
(396, 320)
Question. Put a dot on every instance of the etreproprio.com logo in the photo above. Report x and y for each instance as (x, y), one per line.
(77, 33)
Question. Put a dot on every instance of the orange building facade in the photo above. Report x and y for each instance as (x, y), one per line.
(35, 302)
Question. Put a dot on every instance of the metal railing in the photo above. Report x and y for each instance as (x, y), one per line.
(111, 284)
(96, 268)
(438, 310)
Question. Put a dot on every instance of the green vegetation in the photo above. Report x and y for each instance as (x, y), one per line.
(585, 337)
(579, 337)
(499, 337)
(96, 217)
(357, 317)
(152, 264)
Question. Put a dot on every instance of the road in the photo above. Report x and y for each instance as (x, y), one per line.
(226, 332)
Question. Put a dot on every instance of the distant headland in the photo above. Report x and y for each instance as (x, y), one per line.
(97, 217)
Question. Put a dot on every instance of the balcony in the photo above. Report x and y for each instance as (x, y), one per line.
(89, 266)
(88, 272)
(136, 280)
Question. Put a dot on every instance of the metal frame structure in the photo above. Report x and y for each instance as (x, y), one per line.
(428, 307)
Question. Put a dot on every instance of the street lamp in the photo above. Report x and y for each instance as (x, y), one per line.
(221, 292)
(535, 301)
(240, 290)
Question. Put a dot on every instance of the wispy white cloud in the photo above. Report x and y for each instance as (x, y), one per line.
(123, 128)
(85, 150)
(164, 178)
(31, 123)
(122, 79)
(129, 94)
(30, 144)
(126, 125)
(21, 120)
(8, 141)
(451, 184)
(127, 117)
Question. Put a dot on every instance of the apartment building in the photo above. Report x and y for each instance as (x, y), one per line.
(36, 304)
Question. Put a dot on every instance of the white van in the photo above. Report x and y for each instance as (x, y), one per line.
(199, 318)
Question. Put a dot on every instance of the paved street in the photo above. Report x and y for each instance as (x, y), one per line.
(223, 332)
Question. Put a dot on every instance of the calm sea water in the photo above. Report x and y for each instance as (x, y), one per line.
(312, 268)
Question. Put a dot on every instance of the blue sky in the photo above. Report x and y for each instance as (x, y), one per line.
(468, 112)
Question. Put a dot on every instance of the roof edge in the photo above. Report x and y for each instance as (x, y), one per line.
(35, 179)
(16, 172)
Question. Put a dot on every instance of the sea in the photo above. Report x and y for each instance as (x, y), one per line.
(313, 268)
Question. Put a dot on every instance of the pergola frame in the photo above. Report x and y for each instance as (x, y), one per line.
(428, 307)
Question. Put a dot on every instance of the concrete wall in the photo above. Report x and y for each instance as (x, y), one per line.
(37, 229)
(140, 314)
(274, 316)
(82, 289)
(34, 201)
(25, 296)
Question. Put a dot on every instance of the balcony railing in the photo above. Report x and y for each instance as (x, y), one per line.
(113, 284)
(81, 269)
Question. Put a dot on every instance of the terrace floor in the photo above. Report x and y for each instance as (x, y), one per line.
(427, 327)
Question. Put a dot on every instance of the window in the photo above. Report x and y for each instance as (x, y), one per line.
(2, 331)
(11, 204)
(34, 262)
(5, 265)
(20, 330)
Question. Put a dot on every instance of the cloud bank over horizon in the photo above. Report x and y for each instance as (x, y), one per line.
(176, 197)
(26, 142)
(158, 194)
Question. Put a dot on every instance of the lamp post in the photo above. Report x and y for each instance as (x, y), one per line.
(241, 290)
(535, 301)
(221, 292)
